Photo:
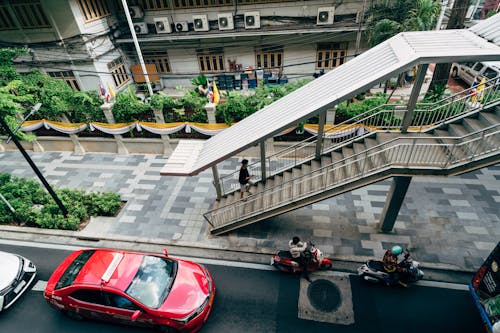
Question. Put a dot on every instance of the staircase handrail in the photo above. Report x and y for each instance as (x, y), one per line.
(479, 135)
(362, 121)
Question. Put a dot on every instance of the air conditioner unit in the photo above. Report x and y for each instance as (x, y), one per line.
(141, 28)
(325, 15)
(200, 23)
(181, 26)
(225, 21)
(136, 12)
(162, 25)
(252, 20)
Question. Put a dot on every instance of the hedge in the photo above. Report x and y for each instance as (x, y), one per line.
(35, 207)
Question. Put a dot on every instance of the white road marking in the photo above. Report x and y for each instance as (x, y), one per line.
(227, 263)
(39, 285)
(41, 245)
(442, 285)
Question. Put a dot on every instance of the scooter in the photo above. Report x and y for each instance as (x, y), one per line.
(373, 271)
(315, 260)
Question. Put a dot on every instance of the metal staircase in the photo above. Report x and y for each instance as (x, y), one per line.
(456, 135)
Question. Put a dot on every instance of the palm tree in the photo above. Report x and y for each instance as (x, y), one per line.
(423, 16)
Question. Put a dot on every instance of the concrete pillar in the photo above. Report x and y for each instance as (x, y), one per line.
(106, 108)
(415, 92)
(210, 108)
(330, 115)
(263, 172)
(319, 140)
(217, 184)
(167, 148)
(393, 203)
(77, 146)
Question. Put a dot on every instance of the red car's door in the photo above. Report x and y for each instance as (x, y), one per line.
(109, 307)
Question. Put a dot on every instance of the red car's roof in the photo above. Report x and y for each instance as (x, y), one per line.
(120, 277)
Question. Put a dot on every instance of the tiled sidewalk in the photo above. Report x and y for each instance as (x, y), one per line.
(453, 221)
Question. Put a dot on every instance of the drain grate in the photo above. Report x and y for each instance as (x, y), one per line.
(324, 295)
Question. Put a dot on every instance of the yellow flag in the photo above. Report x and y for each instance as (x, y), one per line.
(111, 91)
(216, 94)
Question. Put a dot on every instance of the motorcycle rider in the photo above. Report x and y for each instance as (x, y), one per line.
(297, 249)
(392, 266)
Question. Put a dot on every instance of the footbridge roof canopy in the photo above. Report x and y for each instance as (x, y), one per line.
(386, 60)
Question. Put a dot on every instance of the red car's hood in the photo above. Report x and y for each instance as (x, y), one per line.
(189, 291)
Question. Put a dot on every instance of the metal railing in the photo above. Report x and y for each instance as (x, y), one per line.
(386, 117)
(408, 152)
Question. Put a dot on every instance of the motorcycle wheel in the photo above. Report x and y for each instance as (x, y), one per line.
(326, 266)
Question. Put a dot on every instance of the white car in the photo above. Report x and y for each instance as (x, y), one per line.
(16, 274)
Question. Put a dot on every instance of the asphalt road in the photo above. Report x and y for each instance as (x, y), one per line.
(260, 300)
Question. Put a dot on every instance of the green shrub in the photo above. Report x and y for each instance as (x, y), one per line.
(35, 207)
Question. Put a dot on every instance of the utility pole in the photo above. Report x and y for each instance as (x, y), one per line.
(34, 167)
(137, 47)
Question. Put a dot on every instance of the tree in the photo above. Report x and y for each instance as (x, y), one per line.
(456, 21)
(388, 18)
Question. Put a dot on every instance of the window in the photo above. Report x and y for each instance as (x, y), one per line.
(73, 269)
(120, 76)
(153, 281)
(29, 14)
(89, 296)
(93, 9)
(210, 61)
(201, 3)
(269, 57)
(6, 19)
(331, 55)
(160, 59)
(68, 77)
(151, 4)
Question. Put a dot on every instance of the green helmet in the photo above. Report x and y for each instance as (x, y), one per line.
(396, 250)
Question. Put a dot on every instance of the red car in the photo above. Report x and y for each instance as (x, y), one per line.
(133, 288)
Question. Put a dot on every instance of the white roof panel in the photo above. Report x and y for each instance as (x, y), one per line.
(359, 74)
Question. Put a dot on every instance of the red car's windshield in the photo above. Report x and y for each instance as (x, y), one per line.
(153, 281)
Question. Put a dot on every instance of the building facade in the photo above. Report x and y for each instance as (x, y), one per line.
(236, 42)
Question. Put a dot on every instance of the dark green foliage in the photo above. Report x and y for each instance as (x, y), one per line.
(128, 108)
(349, 110)
(35, 207)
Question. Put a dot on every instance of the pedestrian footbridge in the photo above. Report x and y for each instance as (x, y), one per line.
(456, 135)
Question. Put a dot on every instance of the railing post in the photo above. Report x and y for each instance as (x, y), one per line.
(263, 174)
(321, 130)
(417, 86)
(217, 184)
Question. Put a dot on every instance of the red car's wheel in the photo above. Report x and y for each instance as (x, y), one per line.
(73, 315)
(167, 329)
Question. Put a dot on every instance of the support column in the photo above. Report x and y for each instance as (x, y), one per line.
(263, 174)
(321, 130)
(77, 146)
(415, 91)
(167, 148)
(106, 108)
(393, 203)
(218, 188)
(210, 108)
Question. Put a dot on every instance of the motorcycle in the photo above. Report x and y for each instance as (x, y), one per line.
(373, 271)
(315, 260)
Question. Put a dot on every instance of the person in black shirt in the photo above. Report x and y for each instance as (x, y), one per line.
(244, 178)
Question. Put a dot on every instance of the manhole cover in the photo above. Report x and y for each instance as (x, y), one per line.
(324, 295)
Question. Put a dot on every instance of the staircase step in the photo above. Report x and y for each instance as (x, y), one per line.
(377, 158)
(351, 167)
(364, 162)
(457, 130)
(326, 160)
(489, 119)
(305, 182)
(472, 124)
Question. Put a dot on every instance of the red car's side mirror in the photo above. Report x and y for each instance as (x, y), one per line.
(136, 315)
(165, 252)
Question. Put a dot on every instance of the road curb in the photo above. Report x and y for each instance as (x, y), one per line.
(78, 238)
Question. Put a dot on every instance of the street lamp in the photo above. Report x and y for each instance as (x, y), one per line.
(32, 112)
(30, 161)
